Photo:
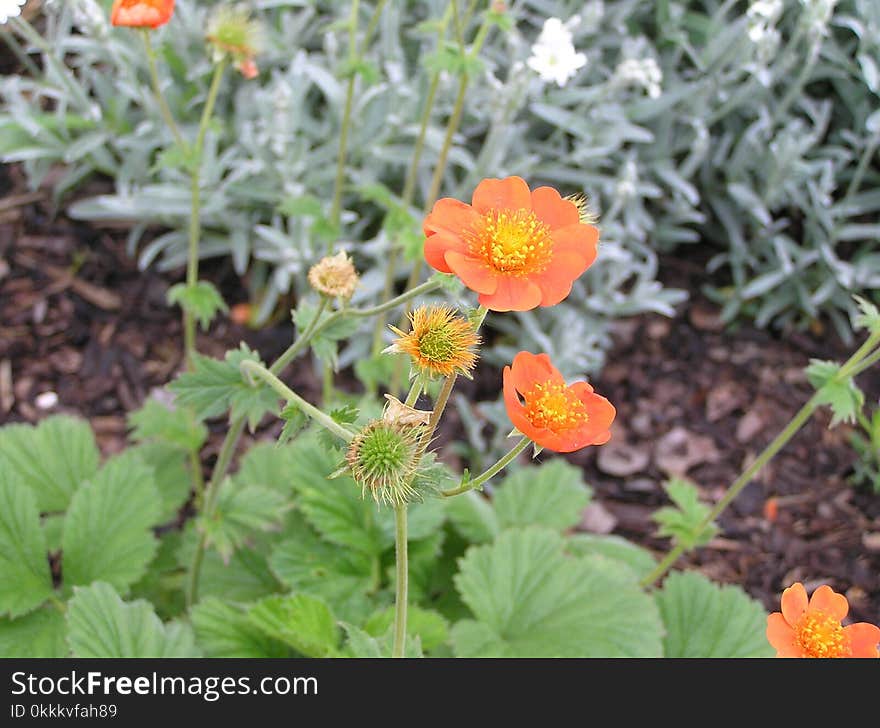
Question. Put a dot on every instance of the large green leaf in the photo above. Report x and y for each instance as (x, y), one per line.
(423, 519)
(343, 578)
(552, 495)
(531, 600)
(428, 625)
(706, 620)
(176, 427)
(614, 547)
(302, 621)
(473, 517)
(38, 634)
(268, 465)
(334, 507)
(25, 579)
(171, 475)
(107, 530)
(224, 630)
(52, 458)
(100, 624)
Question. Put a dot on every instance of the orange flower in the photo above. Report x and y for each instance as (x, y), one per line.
(141, 13)
(517, 248)
(814, 629)
(555, 416)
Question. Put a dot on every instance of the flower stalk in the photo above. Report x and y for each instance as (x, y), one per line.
(503, 462)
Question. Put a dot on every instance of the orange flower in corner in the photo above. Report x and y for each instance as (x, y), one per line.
(813, 628)
(141, 13)
(517, 248)
(554, 415)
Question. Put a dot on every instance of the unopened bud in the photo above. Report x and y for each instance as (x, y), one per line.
(334, 276)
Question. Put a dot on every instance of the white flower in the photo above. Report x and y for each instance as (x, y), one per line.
(818, 15)
(765, 12)
(554, 57)
(10, 9)
(642, 72)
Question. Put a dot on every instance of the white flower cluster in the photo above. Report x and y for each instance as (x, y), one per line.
(10, 9)
(90, 18)
(642, 72)
(818, 15)
(762, 17)
(554, 57)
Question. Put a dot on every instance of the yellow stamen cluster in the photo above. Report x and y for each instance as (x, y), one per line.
(440, 342)
(820, 635)
(555, 407)
(512, 241)
(334, 276)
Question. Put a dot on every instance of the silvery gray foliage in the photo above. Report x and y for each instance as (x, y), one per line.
(743, 133)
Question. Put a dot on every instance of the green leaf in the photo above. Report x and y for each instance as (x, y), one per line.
(214, 386)
(302, 621)
(706, 620)
(359, 643)
(635, 557)
(843, 396)
(171, 475)
(302, 206)
(164, 582)
(224, 630)
(682, 522)
(202, 300)
(333, 507)
(25, 579)
(431, 627)
(870, 316)
(473, 517)
(552, 495)
(175, 427)
(423, 520)
(295, 421)
(100, 624)
(52, 458)
(107, 530)
(245, 578)
(530, 600)
(239, 513)
(341, 577)
(375, 371)
(38, 634)
(268, 465)
(324, 343)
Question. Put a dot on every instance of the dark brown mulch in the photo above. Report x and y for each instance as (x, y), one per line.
(79, 319)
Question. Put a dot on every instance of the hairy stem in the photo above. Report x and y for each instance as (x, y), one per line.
(491, 472)
(157, 88)
(402, 570)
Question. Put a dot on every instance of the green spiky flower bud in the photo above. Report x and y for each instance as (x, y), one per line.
(383, 459)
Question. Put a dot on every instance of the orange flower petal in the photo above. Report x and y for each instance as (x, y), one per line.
(515, 410)
(451, 216)
(794, 603)
(141, 13)
(551, 208)
(436, 247)
(580, 238)
(781, 636)
(530, 369)
(475, 274)
(863, 638)
(512, 294)
(601, 411)
(556, 281)
(510, 193)
(826, 600)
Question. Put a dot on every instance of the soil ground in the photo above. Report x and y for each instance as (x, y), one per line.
(694, 398)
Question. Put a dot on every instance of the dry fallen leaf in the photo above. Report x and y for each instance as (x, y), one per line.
(679, 450)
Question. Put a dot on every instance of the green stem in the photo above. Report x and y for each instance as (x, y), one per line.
(198, 479)
(414, 391)
(157, 88)
(502, 463)
(192, 263)
(251, 368)
(302, 340)
(401, 597)
(868, 362)
(799, 83)
(58, 604)
(791, 429)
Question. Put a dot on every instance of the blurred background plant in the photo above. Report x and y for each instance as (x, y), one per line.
(739, 135)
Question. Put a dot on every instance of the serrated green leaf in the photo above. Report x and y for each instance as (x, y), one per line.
(245, 578)
(269, 465)
(295, 421)
(53, 458)
(38, 634)
(375, 371)
(202, 300)
(473, 517)
(431, 627)
(171, 475)
(706, 620)
(869, 318)
(552, 495)
(240, 512)
(635, 557)
(213, 387)
(843, 396)
(334, 507)
(343, 578)
(683, 521)
(360, 644)
(302, 621)
(302, 206)
(25, 579)
(175, 427)
(53, 528)
(530, 600)
(100, 624)
(107, 530)
(224, 630)
(164, 583)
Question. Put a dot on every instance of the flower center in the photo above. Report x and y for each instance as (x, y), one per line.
(822, 636)
(438, 346)
(512, 241)
(555, 407)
